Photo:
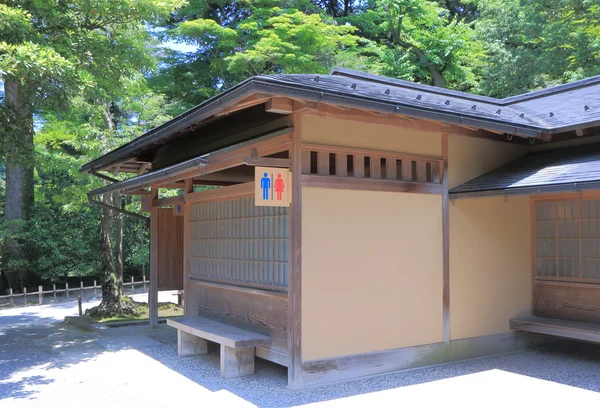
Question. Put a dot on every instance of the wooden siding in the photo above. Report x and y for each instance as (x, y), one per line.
(170, 250)
(569, 301)
(233, 241)
(251, 309)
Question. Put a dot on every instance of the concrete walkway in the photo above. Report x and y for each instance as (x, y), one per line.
(45, 362)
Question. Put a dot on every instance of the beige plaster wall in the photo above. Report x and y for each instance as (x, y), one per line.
(469, 157)
(371, 271)
(357, 134)
(490, 264)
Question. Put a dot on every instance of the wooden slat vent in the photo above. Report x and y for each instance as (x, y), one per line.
(235, 242)
(321, 160)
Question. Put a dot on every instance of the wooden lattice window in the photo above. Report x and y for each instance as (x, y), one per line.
(321, 160)
(236, 242)
(567, 239)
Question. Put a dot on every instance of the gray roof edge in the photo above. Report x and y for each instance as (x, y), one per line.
(465, 95)
(271, 85)
(412, 85)
(531, 190)
(145, 179)
(178, 123)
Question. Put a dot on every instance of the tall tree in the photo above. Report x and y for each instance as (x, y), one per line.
(537, 44)
(49, 49)
(422, 42)
(237, 39)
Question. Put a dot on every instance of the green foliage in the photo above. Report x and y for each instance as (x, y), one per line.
(538, 44)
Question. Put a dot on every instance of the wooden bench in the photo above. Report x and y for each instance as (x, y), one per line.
(237, 345)
(560, 328)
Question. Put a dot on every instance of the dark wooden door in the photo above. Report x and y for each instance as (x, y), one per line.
(170, 250)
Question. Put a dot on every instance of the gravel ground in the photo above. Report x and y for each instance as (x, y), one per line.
(59, 365)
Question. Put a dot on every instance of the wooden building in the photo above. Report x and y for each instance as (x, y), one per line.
(422, 221)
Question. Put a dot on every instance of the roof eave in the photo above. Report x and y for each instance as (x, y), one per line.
(265, 85)
(531, 190)
(210, 107)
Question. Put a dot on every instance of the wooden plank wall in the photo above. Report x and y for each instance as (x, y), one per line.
(170, 250)
(252, 309)
(567, 300)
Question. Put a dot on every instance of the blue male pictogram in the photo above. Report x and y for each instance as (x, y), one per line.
(265, 184)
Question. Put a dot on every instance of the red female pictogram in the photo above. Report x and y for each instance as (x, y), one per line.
(279, 187)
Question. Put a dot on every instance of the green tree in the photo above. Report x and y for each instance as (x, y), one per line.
(235, 40)
(422, 42)
(537, 44)
(49, 51)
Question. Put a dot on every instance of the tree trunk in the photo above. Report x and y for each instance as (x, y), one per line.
(436, 74)
(118, 202)
(19, 156)
(110, 288)
(109, 269)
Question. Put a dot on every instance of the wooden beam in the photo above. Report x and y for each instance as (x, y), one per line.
(295, 267)
(280, 105)
(238, 156)
(368, 184)
(137, 193)
(143, 168)
(221, 193)
(445, 244)
(252, 100)
(267, 162)
(154, 240)
(176, 185)
(166, 202)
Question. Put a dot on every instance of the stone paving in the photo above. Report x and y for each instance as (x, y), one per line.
(57, 365)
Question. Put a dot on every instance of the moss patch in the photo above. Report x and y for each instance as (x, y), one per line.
(140, 312)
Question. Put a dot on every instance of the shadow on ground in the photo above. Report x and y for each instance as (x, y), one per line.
(58, 346)
(45, 346)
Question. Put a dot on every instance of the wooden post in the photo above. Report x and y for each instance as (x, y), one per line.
(67, 289)
(94, 288)
(188, 189)
(41, 294)
(81, 287)
(79, 305)
(445, 245)
(54, 291)
(10, 293)
(295, 260)
(144, 280)
(153, 293)
(132, 287)
(25, 296)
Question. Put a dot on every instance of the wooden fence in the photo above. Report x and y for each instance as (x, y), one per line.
(41, 292)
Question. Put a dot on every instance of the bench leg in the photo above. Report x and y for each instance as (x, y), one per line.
(236, 362)
(189, 345)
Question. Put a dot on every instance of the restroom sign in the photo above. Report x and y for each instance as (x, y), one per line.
(272, 187)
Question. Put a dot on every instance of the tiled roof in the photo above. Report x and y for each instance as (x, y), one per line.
(567, 169)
